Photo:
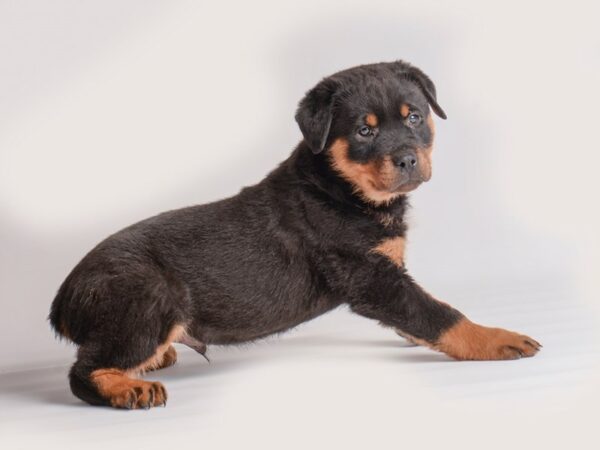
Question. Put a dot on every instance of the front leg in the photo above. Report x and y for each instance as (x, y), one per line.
(392, 297)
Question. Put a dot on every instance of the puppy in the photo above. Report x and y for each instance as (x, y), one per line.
(324, 228)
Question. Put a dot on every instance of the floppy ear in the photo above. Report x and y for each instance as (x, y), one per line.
(428, 89)
(315, 114)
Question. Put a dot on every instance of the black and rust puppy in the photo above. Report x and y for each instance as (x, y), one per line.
(324, 228)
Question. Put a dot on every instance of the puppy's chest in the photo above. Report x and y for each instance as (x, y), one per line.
(380, 233)
(390, 239)
(389, 222)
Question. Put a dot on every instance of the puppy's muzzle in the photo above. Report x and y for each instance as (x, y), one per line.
(407, 162)
(412, 169)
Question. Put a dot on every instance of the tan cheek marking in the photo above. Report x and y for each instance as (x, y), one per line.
(404, 110)
(365, 178)
(358, 174)
(371, 120)
(431, 125)
(424, 162)
(393, 249)
(424, 154)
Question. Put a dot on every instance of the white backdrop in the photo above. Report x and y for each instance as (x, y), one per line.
(114, 111)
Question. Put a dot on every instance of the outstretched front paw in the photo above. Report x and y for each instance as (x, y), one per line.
(469, 341)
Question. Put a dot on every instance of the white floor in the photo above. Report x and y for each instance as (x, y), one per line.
(342, 381)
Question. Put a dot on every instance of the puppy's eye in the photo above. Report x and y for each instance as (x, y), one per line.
(365, 131)
(414, 119)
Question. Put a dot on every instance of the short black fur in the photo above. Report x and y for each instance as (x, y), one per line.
(281, 252)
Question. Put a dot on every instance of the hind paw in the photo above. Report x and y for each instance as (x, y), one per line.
(124, 392)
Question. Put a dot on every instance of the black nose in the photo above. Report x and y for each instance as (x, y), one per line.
(407, 162)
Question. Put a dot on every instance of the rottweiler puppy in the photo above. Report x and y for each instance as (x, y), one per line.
(324, 228)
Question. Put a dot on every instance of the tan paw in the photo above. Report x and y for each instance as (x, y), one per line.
(469, 341)
(122, 391)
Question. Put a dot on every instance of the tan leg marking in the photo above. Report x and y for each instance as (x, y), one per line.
(125, 392)
(169, 358)
(393, 249)
(469, 341)
(157, 361)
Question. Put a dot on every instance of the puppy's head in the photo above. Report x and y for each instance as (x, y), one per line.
(374, 124)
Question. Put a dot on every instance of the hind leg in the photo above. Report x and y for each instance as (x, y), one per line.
(168, 359)
(103, 376)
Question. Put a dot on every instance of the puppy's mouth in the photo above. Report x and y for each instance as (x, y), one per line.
(406, 187)
(398, 179)
(404, 184)
(398, 186)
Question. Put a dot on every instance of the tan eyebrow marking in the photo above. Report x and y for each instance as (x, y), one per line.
(371, 120)
(404, 110)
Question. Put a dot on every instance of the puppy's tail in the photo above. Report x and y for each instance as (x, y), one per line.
(58, 316)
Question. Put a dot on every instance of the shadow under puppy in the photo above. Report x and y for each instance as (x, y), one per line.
(324, 228)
